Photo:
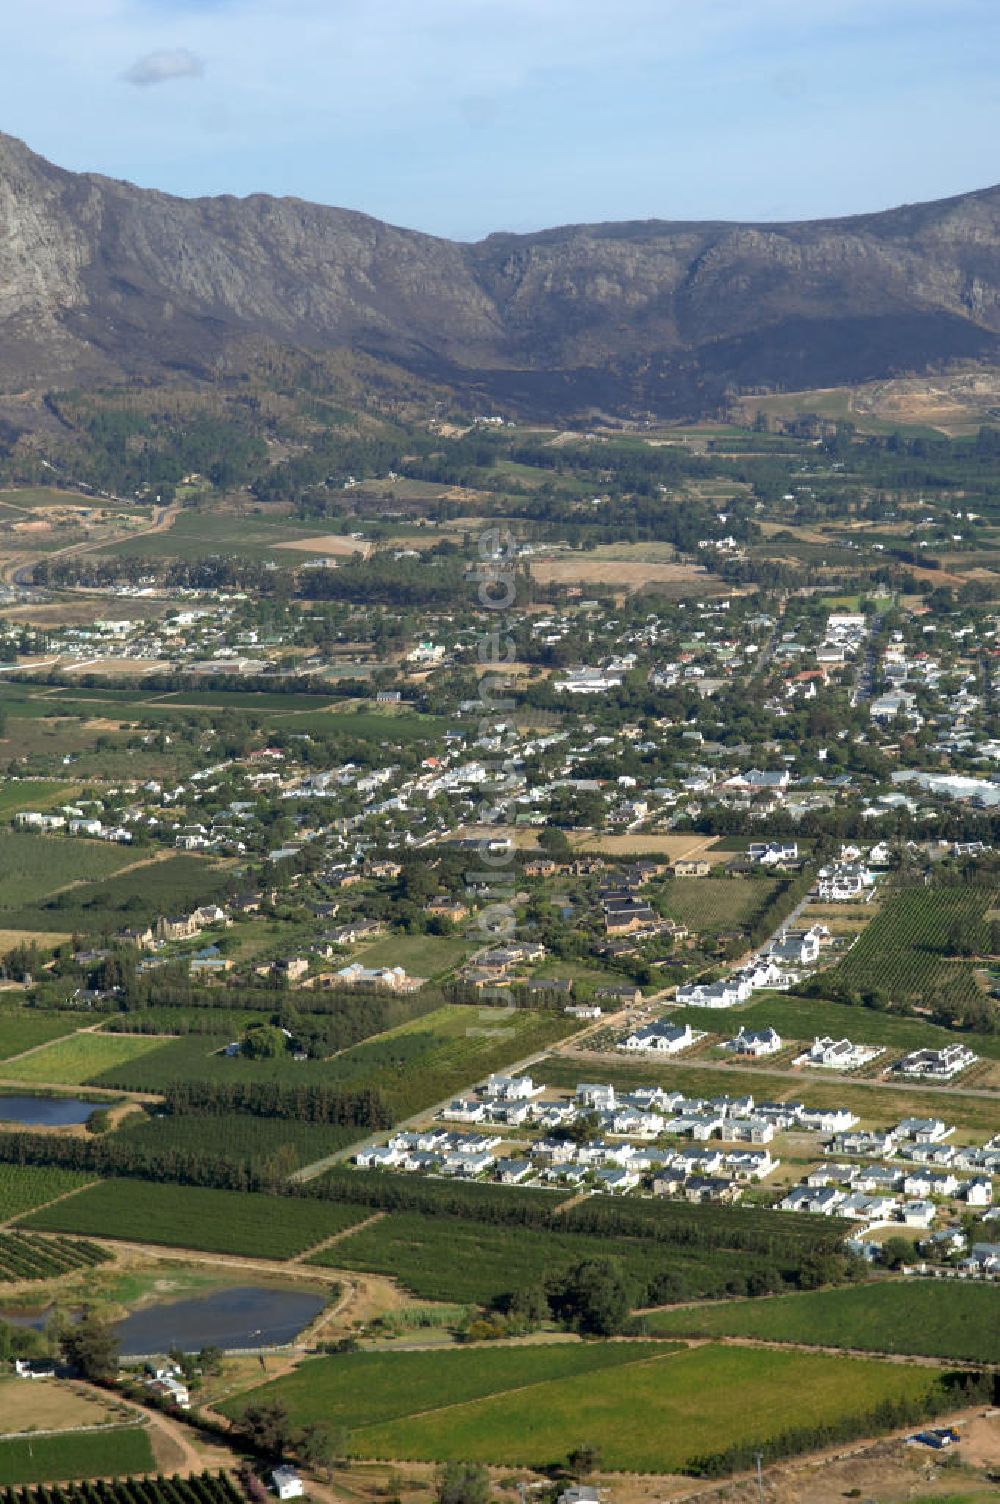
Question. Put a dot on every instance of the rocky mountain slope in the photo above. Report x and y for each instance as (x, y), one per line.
(101, 280)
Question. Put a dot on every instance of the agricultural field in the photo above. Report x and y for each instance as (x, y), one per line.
(76, 1454)
(909, 951)
(428, 956)
(32, 867)
(440, 1258)
(153, 885)
(22, 1029)
(413, 1066)
(718, 903)
(23, 1187)
(196, 534)
(805, 1018)
(180, 1216)
(705, 1400)
(50, 1407)
(24, 1256)
(204, 1488)
(444, 1244)
(33, 793)
(257, 1141)
(74, 1061)
(926, 1317)
(369, 1388)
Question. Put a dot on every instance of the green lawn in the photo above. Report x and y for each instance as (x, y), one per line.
(192, 1217)
(73, 1061)
(366, 1388)
(934, 1318)
(80, 1454)
(659, 1416)
(23, 1029)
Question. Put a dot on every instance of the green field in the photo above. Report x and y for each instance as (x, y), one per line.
(658, 1413)
(442, 1258)
(933, 1318)
(23, 1187)
(805, 1018)
(238, 1136)
(34, 866)
(427, 956)
(413, 1066)
(33, 793)
(80, 1454)
(108, 903)
(23, 1029)
(908, 950)
(71, 1062)
(27, 1256)
(192, 1217)
(718, 903)
(197, 533)
(368, 1388)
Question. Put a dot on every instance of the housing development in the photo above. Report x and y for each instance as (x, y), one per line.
(493, 893)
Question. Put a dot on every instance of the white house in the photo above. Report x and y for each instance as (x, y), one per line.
(838, 1054)
(979, 1191)
(659, 1038)
(755, 1042)
(286, 1483)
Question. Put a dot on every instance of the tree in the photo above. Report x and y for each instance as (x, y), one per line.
(555, 843)
(528, 1306)
(463, 1483)
(267, 1427)
(263, 1042)
(320, 1444)
(92, 1347)
(898, 1251)
(593, 1297)
(584, 1460)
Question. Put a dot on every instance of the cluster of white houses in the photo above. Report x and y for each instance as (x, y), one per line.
(619, 1152)
(918, 1176)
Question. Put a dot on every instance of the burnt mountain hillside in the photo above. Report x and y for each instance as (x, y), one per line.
(100, 280)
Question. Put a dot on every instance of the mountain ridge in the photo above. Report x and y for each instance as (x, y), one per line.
(101, 281)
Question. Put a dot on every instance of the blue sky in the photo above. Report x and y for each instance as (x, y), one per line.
(464, 116)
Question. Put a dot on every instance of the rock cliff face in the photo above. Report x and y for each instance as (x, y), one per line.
(101, 280)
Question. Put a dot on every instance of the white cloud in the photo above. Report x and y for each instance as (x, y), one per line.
(161, 66)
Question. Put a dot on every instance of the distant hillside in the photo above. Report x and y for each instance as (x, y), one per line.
(100, 280)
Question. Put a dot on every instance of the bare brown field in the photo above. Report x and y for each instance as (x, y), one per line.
(44, 939)
(327, 543)
(636, 843)
(50, 1407)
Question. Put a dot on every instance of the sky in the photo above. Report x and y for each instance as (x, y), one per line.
(461, 117)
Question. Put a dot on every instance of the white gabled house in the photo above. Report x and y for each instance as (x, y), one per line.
(659, 1038)
(754, 1042)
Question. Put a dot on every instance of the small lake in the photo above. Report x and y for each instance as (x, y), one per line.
(248, 1316)
(46, 1112)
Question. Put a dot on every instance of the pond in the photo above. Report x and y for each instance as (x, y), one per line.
(242, 1316)
(46, 1112)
